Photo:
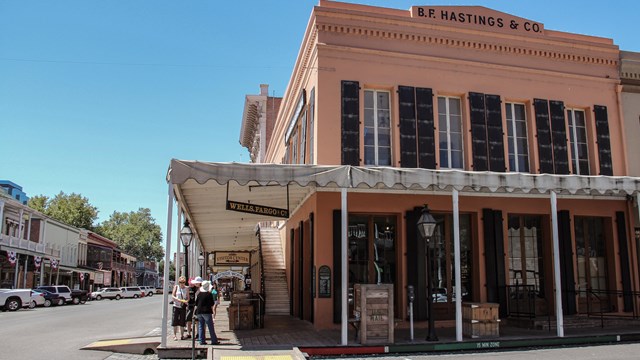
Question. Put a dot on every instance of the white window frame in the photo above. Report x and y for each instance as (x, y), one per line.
(376, 126)
(447, 114)
(514, 137)
(573, 141)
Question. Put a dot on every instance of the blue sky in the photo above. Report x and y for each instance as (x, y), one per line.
(96, 96)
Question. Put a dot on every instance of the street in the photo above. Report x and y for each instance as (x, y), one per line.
(59, 332)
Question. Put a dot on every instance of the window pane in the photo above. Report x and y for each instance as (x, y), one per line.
(368, 99)
(442, 123)
(383, 100)
(369, 155)
(456, 159)
(383, 118)
(454, 106)
(509, 113)
(521, 129)
(520, 114)
(383, 137)
(456, 124)
(442, 107)
(523, 163)
(444, 158)
(369, 136)
(579, 118)
(384, 156)
(368, 117)
(456, 142)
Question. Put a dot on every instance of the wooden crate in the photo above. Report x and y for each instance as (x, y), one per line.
(375, 305)
(480, 320)
(241, 317)
(241, 297)
(475, 329)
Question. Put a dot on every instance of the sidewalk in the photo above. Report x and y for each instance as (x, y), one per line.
(283, 336)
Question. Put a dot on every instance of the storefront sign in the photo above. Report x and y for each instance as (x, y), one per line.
(257, 209)
(476, 16)
(99, 278)
(324, 282)
(232, 258)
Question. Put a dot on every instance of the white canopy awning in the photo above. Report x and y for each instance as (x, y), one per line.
(202, 189)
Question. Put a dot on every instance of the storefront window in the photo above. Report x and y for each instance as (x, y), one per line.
(443, 264)
(372, 249)
(525, 253)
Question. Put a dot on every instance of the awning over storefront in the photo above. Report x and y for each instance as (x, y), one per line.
(202, 189)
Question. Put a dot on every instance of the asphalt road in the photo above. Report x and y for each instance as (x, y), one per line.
(59, 332)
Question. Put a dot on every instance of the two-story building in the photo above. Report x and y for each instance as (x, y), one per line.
(512, 133)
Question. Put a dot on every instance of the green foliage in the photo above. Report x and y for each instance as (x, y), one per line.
(172, 270)
(72, 209)
(136, 233)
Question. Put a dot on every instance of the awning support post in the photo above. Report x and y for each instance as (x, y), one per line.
(556, 265)
(456, 251)
(344, 264)
(167, 258)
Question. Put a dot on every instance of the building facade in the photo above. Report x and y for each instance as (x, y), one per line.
(479, 97)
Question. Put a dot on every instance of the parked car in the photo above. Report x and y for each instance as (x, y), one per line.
(148, 290)
(107, 293)
(14, 299)
(158, 290)
(37, 299)
(49, 297)
(132, 292)
(68, 295)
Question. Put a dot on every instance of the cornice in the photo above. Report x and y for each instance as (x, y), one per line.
(464, 44)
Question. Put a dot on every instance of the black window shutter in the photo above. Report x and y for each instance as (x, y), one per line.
(495, 134)
(350, 123)
(566, 263)
(478, 132)
(625, 269)
(559, 137)
(494, 255)
(416, 274)
(407, 110)
(426, 138)
(604, 142)
(337, 266)
(543, 129)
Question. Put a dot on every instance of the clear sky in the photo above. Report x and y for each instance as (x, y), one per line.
(96, 96)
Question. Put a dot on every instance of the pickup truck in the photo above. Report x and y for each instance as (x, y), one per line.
(67, 295)
(14, 299)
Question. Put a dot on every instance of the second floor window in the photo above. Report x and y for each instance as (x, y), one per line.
(578, 142)
(517, 135)
(450, 132)
(377, 128)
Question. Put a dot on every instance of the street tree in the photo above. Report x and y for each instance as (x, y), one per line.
(72, 209)
(136, 233)
(172, 270)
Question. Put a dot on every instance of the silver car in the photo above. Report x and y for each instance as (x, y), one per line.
(107, 293)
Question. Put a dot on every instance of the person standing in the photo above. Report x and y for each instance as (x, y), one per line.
(180, 295)
(216, 298)
(204, 310)
(194, 288)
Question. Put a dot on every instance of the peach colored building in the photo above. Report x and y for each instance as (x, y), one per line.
(513, 134)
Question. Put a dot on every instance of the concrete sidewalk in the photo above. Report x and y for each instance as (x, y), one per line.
(287, 338)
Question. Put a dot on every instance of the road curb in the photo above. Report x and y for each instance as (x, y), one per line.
(470, 346)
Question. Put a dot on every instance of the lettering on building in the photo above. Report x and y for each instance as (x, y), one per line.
(475, 16)
(242, 258)
(257, 209)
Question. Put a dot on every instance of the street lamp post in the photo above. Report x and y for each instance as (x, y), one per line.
(201, 262)
(185, 237)
(426, 227)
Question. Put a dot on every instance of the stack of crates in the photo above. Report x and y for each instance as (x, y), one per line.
(480, 320)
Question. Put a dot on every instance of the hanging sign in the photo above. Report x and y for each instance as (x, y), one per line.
(232, 258)
(37, 261)
(257, 209)
(12, 257)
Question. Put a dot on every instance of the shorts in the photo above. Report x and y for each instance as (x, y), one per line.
(178, 317)
(190, 314)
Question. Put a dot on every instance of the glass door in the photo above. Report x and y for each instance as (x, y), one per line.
(592, 264)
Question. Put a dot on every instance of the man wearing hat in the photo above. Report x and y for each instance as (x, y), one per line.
(194, 287)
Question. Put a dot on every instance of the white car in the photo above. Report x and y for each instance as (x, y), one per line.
(14, 299)
(107, 293)
(132, 292)
(37, 299)
(149, 290)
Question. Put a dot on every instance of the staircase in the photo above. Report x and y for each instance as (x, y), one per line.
(275, 279)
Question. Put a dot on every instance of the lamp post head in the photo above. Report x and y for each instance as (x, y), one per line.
(186, 234)
(201, 259)
(426, 223)
(637, 233)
